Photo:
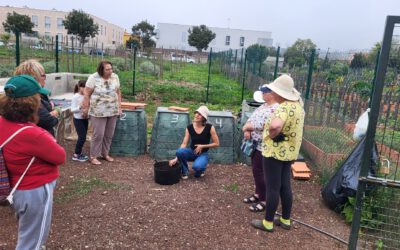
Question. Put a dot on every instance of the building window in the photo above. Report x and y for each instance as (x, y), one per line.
(47, 22)
(184, 37)
(227, 40)
(105, 30)
(35, 21)
(241, 43)
(47, 36)
(101, 29)
(60, 24)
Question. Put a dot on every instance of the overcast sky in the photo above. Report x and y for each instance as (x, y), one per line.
(334, 24)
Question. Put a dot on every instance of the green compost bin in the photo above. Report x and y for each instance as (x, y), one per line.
(224, 124)
(130, 134)
(167, 133)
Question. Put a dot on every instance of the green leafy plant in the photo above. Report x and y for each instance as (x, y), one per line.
(232, 187)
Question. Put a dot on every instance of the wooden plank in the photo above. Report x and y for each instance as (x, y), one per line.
(176, 108)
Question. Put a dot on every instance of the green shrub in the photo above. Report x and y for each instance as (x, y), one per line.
(49, 66)
(119, 64)
(6, 70)
(149, 68)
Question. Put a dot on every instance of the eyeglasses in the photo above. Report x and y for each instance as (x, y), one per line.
(107, 84)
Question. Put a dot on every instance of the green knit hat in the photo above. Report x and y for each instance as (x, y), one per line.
(23, 86)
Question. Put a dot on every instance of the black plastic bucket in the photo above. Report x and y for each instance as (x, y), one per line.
(166, 175)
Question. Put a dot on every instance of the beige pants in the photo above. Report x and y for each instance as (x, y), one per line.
(103, 132)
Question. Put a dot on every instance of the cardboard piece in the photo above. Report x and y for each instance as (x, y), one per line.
(301, 176)
(300, 171)
(300, 167)
(178, 108)
(132, 105)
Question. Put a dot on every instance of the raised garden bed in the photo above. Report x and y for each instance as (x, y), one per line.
(326, 146)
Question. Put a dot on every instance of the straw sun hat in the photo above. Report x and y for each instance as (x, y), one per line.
(203, 111)
(284, 87)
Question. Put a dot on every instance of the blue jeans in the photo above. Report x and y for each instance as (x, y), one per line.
(199, 161)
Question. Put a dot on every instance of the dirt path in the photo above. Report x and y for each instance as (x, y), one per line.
(119, 206)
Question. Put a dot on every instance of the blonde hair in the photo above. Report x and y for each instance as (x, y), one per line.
(30, 67)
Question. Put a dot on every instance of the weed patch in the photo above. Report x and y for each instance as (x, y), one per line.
(82, 186)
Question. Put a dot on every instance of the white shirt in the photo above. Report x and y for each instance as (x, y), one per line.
(76, 102)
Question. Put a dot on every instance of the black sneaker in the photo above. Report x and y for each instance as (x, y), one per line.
(81, 157)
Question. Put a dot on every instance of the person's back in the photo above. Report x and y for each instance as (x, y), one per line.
(19, 151)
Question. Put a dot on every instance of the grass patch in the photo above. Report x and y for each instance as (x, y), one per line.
(82, 186)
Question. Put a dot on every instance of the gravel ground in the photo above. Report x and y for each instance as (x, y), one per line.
(119, 206)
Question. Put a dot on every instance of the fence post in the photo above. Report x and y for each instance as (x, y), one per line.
(241, 63)
(56, 53)
(134, 69)
(244, 75)
(72, 54)
(373, 80)
(209, 73)
(309, 76)
(235, 58)
(17, 54)
(277, 62)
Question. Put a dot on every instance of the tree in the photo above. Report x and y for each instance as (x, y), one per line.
(5, 38)
(359, 61)
(133, 41)
(80, 24)
(299, 53)
(257, 53)
(16, 22)
(145, 32)
(373, 53)
(200, 37)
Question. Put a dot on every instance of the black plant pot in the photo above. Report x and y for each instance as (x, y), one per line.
(166, 175)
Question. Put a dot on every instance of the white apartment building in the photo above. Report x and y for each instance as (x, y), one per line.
(49, 23)
(175, 36)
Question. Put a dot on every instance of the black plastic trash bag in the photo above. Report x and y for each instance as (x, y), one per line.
(344, 183)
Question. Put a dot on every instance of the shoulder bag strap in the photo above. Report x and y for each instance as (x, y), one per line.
(13, 135)
(10, 196)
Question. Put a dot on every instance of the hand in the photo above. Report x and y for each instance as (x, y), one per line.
(119, 111)
(198, 149)
(54, 113)
(247, 135)
(280, 137)
(172, 162)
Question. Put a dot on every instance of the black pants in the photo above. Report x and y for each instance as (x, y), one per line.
(277, 180)
(81, 126)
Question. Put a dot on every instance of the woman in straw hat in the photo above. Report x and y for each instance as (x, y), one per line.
(33, 198)
(199, 133)
(253, 130)
(282, 139)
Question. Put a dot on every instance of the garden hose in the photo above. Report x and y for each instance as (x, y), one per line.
(318, 230)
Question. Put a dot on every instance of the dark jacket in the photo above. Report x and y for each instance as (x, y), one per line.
(46, 120)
